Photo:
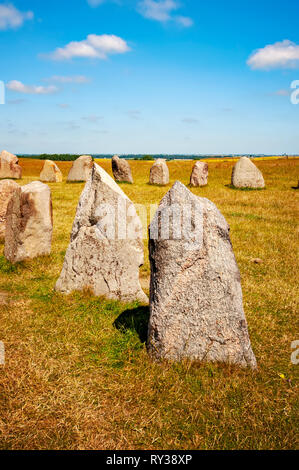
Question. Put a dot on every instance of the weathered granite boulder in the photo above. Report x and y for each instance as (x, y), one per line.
(106, 248)
(29, 222)
(81, 169)
(196, 309)
(9, 167)
(246, 175)
(199, 175)
(159, 173)
(7, 187)
(121, 170)
(51, 173)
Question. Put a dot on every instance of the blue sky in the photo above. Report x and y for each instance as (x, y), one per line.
(149, 76)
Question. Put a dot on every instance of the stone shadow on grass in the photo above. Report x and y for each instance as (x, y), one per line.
(230, 186)
(135, 319)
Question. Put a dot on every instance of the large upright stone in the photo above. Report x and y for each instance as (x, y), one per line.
(29, 223)
(199, 175)
(246, 175)
(50, 172)
(159, 173)
(196, 309)
(7, 188)
(106, 248)
(121, 170)
(9, 166)
(81, 169)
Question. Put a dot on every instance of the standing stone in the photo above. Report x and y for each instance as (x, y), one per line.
(51, 173)
(246, 175)
(121, 170)
(81, 169)
(7, 187)
(9, 167)
(199, 175)
(29, 222)
(196, 309)
(159, 172)
(106, 248)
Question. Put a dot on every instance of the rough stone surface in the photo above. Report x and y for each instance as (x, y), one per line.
(121, 170)
(9, 167)
(81, 169)
(7, 187)
(159, 173)
(106, 263)
(246, 175)
(196, 309)
(199, 175)
(29, 223)
(51, 173)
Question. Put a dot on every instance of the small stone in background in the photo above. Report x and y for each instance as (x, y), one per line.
(81, 169)
(50, 172)
(9, 166)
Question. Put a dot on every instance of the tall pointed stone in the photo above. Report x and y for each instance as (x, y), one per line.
(29, 222)
(246, 175)
(9, 166)
(196, 309)
(121, 170)
(50, 172)
(106, 248)
(159, 173)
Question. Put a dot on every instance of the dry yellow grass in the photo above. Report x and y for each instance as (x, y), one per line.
(73, 380)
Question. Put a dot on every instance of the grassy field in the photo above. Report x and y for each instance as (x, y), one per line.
(77, 375)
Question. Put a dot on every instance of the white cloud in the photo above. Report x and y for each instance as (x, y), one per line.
(19, 87)
(72, 79)
(283, 54)
(184, 21)
(94, 46)
(162, 10)
(11, 18)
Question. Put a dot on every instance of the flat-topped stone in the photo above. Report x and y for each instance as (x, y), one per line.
(199, 175)
(159, 173)
(29, 222)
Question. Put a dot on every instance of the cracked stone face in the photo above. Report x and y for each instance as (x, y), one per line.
(159, 173)
(106, 248)
(196, 308)
(121, 170)
(9, 166)
(81, 169)
(246, 175)
(7, 188)
(29, 222)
